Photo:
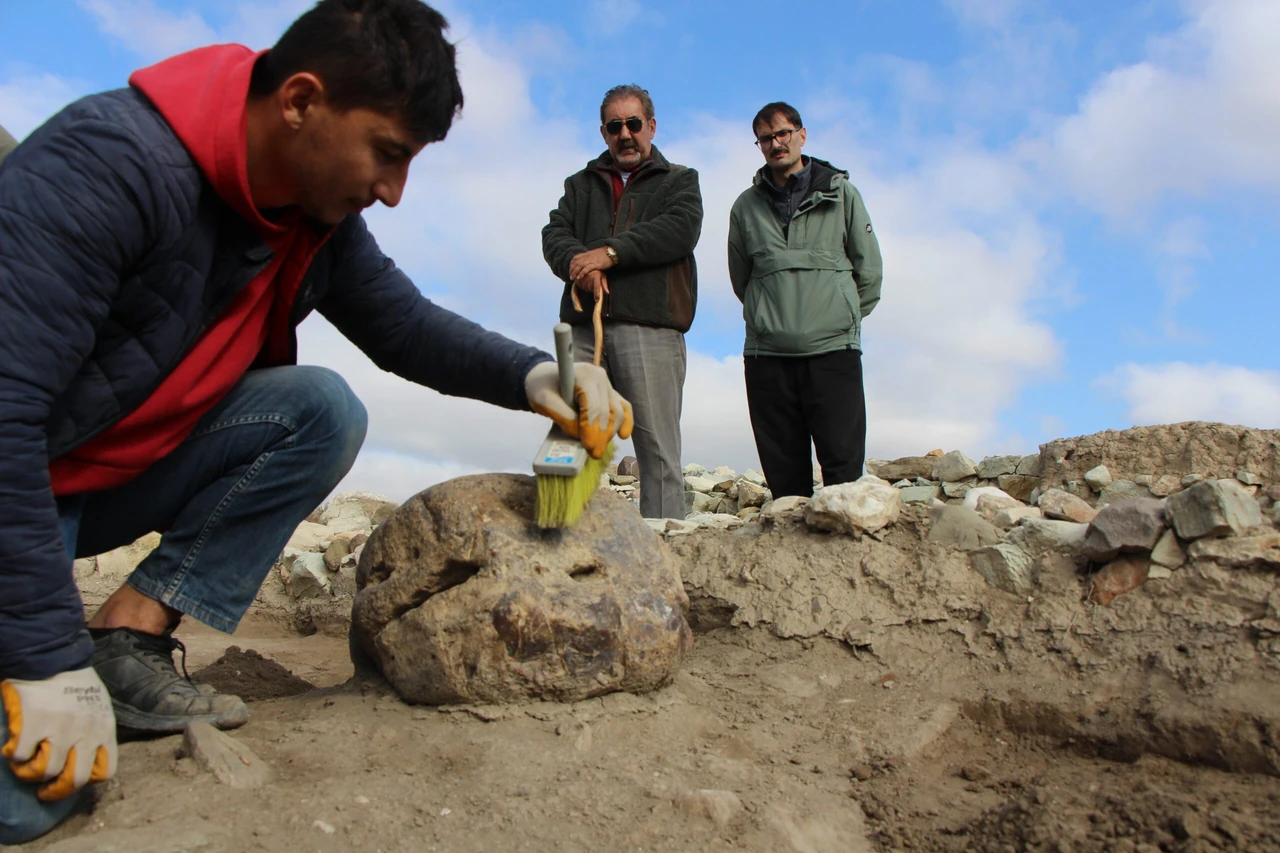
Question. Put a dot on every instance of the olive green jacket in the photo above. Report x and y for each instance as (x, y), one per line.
(804, 288)
(659, 219)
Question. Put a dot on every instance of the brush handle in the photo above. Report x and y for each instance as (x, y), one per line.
(564, 360)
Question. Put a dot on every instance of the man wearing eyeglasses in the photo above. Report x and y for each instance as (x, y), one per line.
(624, 233)
(805, 263)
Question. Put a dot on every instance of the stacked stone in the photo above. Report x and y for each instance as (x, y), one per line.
(321, 556)
(942, 476)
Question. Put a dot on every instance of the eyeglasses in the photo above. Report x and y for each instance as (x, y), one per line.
(781, 137)
(634, 124)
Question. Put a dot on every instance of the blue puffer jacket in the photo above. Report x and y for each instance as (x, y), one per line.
(115, 254)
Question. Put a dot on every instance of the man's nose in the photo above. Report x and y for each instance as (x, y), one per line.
(390, 187)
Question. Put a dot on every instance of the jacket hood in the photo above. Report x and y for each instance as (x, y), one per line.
(823, 179)
(203, 95)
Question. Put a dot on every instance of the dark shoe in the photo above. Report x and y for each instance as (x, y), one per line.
(147, 692)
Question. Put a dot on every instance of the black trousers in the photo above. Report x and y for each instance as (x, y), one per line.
(795, 401)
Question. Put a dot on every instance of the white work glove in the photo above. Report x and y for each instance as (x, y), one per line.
(602, 411)
(62, 732)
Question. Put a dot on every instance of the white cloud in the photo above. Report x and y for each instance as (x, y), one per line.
(610, 17)
(1177, 391)
(27, 100)
(149, 30)
(1201, 115)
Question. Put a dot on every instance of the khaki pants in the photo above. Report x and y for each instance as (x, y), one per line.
(647, 366)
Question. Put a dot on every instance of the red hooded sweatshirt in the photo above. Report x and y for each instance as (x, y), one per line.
(203, 95)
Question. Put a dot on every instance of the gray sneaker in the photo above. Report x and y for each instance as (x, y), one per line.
(147, 692)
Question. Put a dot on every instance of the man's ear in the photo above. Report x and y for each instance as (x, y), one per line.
(653, 127)
(604, 134)
(298, 95)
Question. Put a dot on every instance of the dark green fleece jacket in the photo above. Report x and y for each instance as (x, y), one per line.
(654, 231)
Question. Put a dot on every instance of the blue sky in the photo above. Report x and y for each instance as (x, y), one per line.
(1078, 202)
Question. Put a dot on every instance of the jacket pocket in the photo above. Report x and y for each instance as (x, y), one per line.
(800, 311)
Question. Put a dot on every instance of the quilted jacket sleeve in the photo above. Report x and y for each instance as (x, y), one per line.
(77, 201)
(375, 305)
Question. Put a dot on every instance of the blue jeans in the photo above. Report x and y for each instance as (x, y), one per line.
(228, 499)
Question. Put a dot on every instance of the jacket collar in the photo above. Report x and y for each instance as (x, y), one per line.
(824, 176)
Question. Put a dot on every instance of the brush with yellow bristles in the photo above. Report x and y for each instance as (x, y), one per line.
(566, 474)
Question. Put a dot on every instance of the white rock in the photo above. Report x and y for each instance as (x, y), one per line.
(783, 506)
(310, 537)
(699, 483)
(719, 520)
(724, 472)
(1037, 535)
(1006, 518)
(958, 490)
(1157, 572)
(693, 469)
(753, 476)
(699, 502)
(1098, 478)
(920, 494)
(865, 505)
(1000, 499)
(1029, 465)
(308, 575)
(1248, 479)
(359, 511)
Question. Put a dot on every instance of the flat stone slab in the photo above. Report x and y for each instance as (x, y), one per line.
(462, 599)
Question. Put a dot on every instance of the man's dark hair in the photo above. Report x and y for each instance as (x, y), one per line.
(630, 90)
(768, 111)
(389, 56)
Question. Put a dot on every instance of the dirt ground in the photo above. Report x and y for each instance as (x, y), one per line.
(935, 715)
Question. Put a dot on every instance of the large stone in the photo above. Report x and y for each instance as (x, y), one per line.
(1121, 490)
(960, 488)
(753, 476)
(751, 494)
(1212, 508)
(1039, 535)
(1018, 485)
(1010, 516)
(1098, 478)
(1165, 485)
(919, 494)
(629, 467)
(1168, 551)
(697, 503)
(1240, 551)
(308, 576)
(863, 506)
(1117, 578)
(1029, 466)
(1056, 503)
(699, 483)
(310, 536)
(906, 468)
(996, 466)
(953, 467)
(997, 496)
(961, 528)
(784, 507)
(1005, 566)
(462, 599)
(1128, 526)
(227, 759)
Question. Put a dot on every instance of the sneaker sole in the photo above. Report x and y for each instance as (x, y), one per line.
(131, 719)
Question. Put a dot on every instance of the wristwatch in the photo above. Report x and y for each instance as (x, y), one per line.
(613, 255)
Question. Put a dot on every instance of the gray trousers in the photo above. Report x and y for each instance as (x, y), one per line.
(647, 366)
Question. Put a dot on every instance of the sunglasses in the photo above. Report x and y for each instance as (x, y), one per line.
(614, 126)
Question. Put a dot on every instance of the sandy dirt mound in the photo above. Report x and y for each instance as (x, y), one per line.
(251, 676)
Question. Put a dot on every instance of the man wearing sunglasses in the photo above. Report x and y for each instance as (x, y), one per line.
(806, 265)
(624, 233)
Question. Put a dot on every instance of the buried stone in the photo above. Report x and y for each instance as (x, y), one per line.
(462, 599)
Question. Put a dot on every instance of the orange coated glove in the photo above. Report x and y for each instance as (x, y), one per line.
(62, 732)
(602, 411)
